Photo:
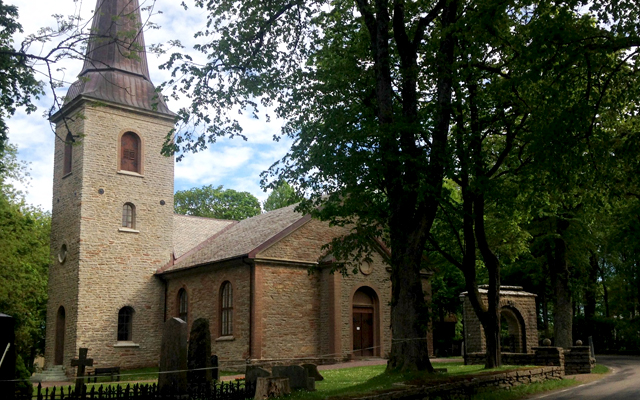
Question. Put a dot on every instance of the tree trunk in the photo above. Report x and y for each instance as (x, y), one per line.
(271, 387)
(591, 289)
(409, 348)
(605, 295)
(563, 310)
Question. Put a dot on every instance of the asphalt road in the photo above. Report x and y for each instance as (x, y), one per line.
(623, 383)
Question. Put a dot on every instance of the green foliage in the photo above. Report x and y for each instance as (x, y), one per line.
(18, 86)
(24, 244)
(282, 195)
(389, 102)
(216, 202)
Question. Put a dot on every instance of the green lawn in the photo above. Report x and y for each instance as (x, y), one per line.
(349, 382)
(353, 381)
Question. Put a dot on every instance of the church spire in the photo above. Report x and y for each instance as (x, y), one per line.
(118, 42)
(115, 67)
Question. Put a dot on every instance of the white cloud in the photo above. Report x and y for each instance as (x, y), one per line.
(233, 163)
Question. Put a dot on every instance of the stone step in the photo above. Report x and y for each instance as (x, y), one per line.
(54, 373)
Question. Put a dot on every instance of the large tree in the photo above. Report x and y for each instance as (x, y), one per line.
(282, 195)
(367, 90)
(216, 202)
(18, 86)
(24, 243)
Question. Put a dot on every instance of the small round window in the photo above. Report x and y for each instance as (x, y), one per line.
(62, 254)
(366, 268)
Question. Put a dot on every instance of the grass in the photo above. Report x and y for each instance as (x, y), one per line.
(600, 369)
(348, 382)
(145, 374)
(519, 392)
(353, 381)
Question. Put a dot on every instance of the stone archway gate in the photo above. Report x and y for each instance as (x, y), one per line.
(516, 306)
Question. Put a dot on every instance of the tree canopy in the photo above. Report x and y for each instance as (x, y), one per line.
(216, 202)
(18, 85)
(282, 195)
(384, 100)
(24, 243)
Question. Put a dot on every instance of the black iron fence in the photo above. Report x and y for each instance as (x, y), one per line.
(214, 391)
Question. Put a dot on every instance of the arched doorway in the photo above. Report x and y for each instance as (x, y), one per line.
(512, 333)
(364, 322)
(60, 327)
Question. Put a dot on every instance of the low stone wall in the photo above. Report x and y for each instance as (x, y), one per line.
(469, 385)
(507, 359)
(574, 360)
(241, 365)
(578, 360)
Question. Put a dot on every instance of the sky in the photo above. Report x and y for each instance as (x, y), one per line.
(233, 163)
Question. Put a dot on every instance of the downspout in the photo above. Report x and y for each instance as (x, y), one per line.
(252, 283)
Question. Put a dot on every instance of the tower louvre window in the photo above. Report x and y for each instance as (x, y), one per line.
(130, 152)
(129, 216)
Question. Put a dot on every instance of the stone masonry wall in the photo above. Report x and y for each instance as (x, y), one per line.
(116, 265)
(379, 281)
(305, 245)
(290, 312)
(517, 302)
(65, 229)
(203, 287)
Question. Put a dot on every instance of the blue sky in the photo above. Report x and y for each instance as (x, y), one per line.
(235, 164)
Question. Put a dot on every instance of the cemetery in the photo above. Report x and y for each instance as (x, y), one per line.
(505, 152)
(188, 370)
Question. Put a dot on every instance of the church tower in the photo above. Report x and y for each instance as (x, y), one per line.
(112, 215)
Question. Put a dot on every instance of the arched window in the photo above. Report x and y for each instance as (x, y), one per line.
(129, 216)
(130, 152)
(125, 324)
(226, 309)
(68, 154)
(183, 305)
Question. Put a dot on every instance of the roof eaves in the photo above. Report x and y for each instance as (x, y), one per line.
(200, 265)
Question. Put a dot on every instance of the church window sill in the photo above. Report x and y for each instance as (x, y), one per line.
(126, 344)
(225, 339)
(130, 173)
(128, 230)
(68, 174)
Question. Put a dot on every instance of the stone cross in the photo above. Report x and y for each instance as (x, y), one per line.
(81, 362)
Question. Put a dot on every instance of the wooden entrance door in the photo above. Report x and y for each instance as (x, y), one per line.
(362, 331)
(59, 349)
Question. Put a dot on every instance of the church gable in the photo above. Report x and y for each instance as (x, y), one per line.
(303, 244)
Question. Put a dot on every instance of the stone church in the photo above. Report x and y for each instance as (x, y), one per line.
(124, 262)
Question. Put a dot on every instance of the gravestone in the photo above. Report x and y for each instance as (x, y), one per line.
(173, 357)
(81, 362)
(312, 371)
(252, 374)
(199, 360)
(7, 355)
(298, 376)
(215, 368)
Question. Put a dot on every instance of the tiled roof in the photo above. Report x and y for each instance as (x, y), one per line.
(238, 239)
(188, 231)
(115, 66)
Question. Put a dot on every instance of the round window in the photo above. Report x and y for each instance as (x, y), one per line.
(62, 254)
(366, 268)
